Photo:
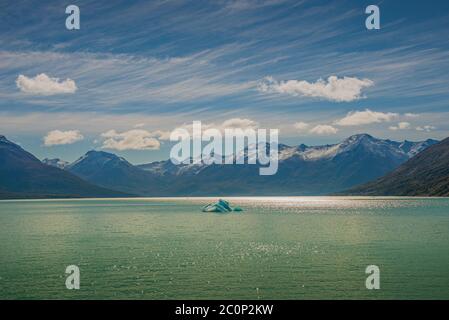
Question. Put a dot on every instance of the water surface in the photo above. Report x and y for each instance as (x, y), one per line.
(278, 248)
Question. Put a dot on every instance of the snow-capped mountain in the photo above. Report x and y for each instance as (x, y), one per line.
(370, 144)
(303, 170)
(167, 168)
(413, 148)
(111, 171)
(387, 148)
(22, 175)
(426, 174)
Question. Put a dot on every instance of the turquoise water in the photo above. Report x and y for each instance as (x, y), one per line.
(278, 248)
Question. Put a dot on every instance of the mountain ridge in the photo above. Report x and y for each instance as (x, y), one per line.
(303, 170)
(426, 174)
(111, 171)
(22, 175)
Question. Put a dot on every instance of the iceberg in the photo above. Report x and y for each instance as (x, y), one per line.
(222, 206)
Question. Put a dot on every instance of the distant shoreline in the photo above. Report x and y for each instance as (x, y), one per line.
(342, 197)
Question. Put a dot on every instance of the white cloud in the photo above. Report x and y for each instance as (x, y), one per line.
(233, 123)
(161, 134)
(44, 85)
(426, 128)
(358, 118)
(411, 115)
(135, 139)
(301, 126)
(401, 126)
(323, 130)
(239, 123)
(92, 123)
(334, 89)
(113, 79)
(57, 137)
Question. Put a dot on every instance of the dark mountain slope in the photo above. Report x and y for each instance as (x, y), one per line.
(23, 176)
(426, 174)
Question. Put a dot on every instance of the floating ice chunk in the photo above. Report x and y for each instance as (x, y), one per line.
(222, 206)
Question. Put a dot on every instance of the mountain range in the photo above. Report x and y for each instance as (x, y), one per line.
(303, 170)
(22, 175)
(110, 171)
(426, 174)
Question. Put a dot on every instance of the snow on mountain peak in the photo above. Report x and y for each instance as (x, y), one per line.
(3, 139)
(365, 141)
(359, 144)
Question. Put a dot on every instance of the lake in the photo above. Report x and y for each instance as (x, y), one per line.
(277, 248)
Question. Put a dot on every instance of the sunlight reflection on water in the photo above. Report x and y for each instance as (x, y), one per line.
(287, 247)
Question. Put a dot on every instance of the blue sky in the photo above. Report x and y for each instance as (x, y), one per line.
(138, 69)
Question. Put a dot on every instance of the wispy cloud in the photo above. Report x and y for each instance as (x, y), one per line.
(237, 123)
(107, 79)
(170, 62)
(251, 4)
(208, 59)
(233, 123)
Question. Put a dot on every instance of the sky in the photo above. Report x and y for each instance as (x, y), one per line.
(136, 70)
